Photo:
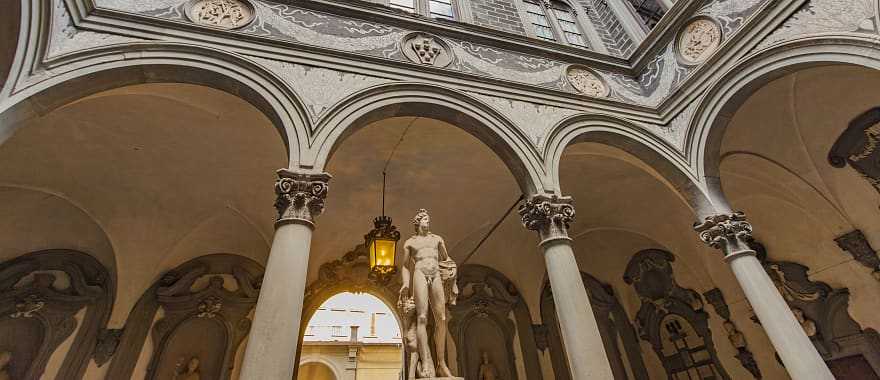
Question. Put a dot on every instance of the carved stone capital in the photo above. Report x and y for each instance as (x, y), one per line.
(300, 197)
(549, 215)
(730, 233)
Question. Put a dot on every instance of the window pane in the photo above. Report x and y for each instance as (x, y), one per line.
(407, 5)
(568, 23)
(539, 21)
(440, 8)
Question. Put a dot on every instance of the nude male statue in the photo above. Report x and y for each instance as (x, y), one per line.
(426, 272)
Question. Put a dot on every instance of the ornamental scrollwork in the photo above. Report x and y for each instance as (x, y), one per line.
(209, 307)
(28, 306)
(300, 197)
(720, 231)
(540, 212)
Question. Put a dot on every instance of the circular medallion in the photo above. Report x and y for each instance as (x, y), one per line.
(426, 49)
(226, 14)
(586, 82)
(698, 40)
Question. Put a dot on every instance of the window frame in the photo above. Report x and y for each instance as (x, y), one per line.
(423, 8)
(589, 39)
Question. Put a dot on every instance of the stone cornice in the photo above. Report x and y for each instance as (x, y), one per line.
(119, 22)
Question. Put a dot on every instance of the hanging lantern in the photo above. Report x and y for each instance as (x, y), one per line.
(382, 243)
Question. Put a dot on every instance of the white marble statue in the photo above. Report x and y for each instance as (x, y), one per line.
(428, 275)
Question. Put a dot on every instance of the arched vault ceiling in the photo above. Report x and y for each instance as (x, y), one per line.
(157, 166)
(788, 127)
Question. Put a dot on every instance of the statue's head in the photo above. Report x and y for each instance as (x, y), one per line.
(193, 364)
(422, 221)
(485, 357)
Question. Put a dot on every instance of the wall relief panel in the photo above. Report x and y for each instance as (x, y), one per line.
(822, 312)
(481, 323)
(205, 315)
(205, 304)
(672, 318)
(40, 294)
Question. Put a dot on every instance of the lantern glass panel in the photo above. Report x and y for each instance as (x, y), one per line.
(382, 253)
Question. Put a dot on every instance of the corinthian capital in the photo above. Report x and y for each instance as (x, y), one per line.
(549, 215)
(300, 196)
(730, 233)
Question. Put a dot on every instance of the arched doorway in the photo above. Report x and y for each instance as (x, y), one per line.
(317, 371)
(352, 336)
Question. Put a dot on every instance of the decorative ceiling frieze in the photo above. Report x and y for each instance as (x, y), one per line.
(827, 16)
(320, 89)
(534, 120)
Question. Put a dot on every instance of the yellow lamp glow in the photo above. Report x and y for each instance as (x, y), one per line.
(382, 243)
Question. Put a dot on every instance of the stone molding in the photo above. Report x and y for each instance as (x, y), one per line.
(550, 216)
(300, 197)
(730, 233)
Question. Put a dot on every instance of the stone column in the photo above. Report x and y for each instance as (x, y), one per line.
(731, 233)
(550, 216)
(271, 348)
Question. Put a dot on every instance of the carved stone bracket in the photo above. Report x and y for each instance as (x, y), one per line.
(857, 146)
(855, 244)
(736, 337)
(730, 233)
(549, 215)
(300, 197)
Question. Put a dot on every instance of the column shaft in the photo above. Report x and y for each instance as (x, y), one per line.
(584, 349)
(274, 334)
(577, 323)
(731, 233)
(797, 352)
(271, 349)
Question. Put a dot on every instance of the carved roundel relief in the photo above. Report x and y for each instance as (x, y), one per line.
(426, 49)
(226, 14)
(698, 40)
(586, 82)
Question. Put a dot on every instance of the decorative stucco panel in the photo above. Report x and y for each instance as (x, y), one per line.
(535, 120)
(320, 89)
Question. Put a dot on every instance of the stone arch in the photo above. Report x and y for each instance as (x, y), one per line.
(436, 102)
(347, 274)
(657, 158)
(728, 93)
(89, 72)
(315, 359)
